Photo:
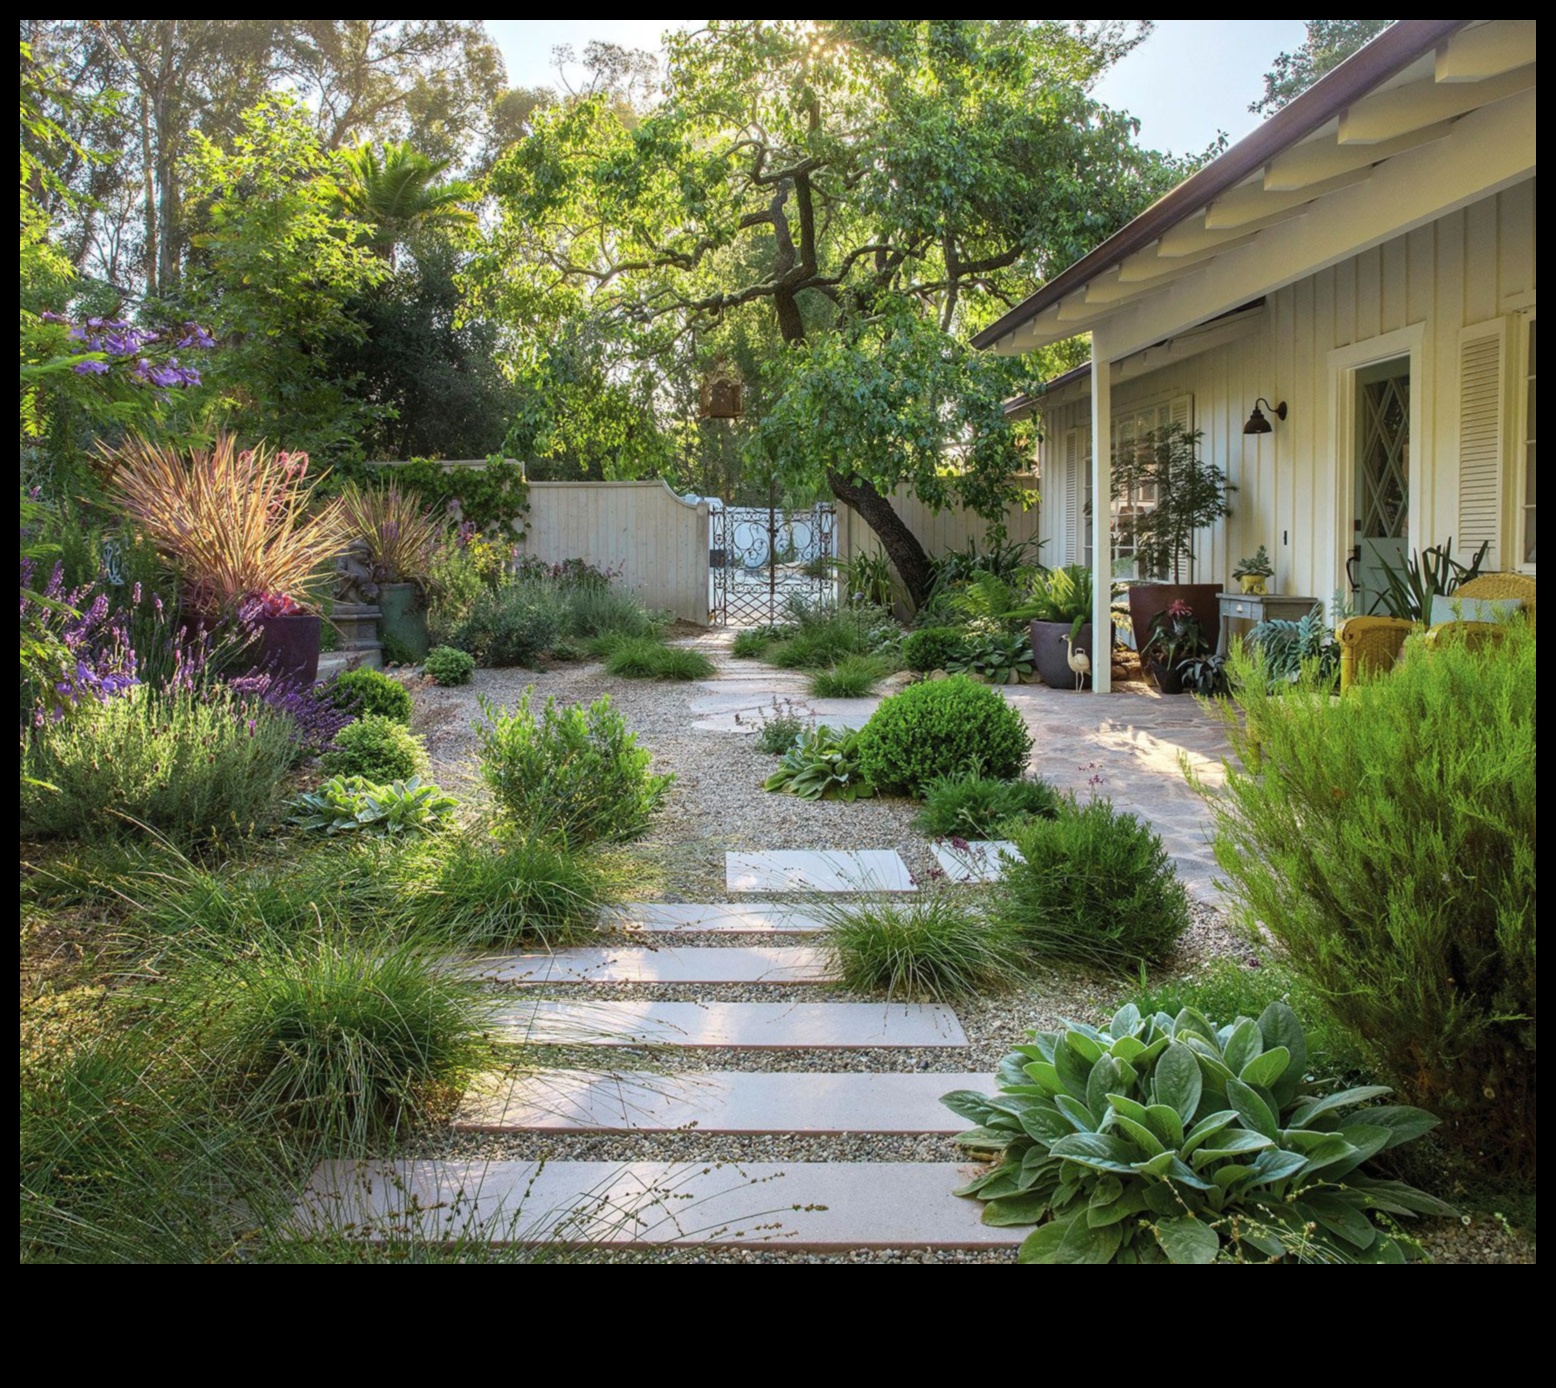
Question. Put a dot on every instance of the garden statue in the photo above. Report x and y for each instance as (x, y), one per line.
(354, 581)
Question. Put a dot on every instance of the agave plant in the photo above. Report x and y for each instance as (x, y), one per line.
(1169, 1139)
(400, 534)
(239, 525)
(823, 764)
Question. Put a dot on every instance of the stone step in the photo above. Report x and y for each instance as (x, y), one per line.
(758, 964)
(977, 860)
(728, 1101)
(672, 917)
(804, 870)
(804, 1206)
(742, 1025)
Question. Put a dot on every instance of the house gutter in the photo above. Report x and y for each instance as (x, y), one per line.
(1391, 52)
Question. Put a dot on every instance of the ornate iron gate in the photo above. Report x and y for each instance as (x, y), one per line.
(762, 556)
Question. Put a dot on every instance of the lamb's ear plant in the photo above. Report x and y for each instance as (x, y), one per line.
(1172, 1140)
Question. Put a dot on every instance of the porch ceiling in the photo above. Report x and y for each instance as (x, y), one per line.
(1275, 207)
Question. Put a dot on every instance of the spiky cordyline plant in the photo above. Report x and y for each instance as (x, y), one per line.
(400, 534)
(237, 524)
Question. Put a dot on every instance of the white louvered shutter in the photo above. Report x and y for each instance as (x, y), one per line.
(1070, 506)
(1481, 393)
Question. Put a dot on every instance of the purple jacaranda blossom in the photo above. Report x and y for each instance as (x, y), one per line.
(90, 368)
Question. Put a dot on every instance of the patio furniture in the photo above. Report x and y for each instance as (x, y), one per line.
(1368, 644)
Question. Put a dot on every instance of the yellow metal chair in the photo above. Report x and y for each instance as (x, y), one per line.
(1368, 644)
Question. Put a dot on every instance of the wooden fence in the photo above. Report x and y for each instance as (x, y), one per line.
(938, 531)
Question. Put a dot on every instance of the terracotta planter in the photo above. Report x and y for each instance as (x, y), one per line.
(1148, 600)
(1049, 654)
(404, 621)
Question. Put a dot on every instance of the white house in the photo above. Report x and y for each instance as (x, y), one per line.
(1363, 263)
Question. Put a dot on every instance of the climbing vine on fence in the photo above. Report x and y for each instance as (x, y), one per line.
(494, 496)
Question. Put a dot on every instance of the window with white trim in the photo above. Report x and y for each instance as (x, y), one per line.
(1526, 464)
(1136, 428)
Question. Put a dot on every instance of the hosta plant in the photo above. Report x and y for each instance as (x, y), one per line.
(823, 764)
(355, 805)
(996, 659)
(1171, 1140)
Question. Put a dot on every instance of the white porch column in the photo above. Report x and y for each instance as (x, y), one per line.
(1101, 515)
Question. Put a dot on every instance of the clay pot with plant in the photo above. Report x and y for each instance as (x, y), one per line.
(1254, 573)
(1059, 608)
(401, 538)
(1176, 640)
(1191, 494)
(247, 537)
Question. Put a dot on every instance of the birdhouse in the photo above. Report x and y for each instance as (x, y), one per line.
(722, 398)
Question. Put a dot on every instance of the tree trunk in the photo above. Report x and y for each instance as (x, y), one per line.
(901, 544)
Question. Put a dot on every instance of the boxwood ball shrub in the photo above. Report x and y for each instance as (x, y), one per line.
(372, 692)
(931, 648)
(447, 666)
(1096, 888)
(944, 727)
(1167, 1139)
(377, 749)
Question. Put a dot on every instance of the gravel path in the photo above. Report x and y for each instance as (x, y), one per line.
(717, 805)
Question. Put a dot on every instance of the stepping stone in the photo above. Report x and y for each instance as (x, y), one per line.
(743, 1025)
(801, 870)
(715, 918)
(979, 860)
(733, 1101)
(742, 965)
(805, 1206)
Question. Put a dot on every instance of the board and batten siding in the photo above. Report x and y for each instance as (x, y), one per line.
(656, 542)
(1468, 279)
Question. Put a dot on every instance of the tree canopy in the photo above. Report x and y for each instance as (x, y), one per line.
(805, 178)
(1329, 43)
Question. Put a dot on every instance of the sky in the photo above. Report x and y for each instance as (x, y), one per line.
(1192, 79)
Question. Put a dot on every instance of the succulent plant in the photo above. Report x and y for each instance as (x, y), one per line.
(1169, 1139)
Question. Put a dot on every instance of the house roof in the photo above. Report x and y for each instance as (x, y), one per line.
(1404, 91)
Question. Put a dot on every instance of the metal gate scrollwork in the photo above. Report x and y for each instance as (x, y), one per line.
(762, 556)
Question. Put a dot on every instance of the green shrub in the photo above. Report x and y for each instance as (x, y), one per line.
(816, 638)
(1236, 988)
(753, 642)
(1387, 842)
(449, 666)
(780, 728)
(595, 610)
(973, 807)
(571, 771)
(942, 728)
(511, 625)
(345, 1037)
(931, 648)
(494, 892)
(853, 677)
(822, 764)
(1096, 888)
(648, 658)
(378, 749)
(372, 693)
(927, 950)
(353, 805)
(192, 767)
(1173, 1140)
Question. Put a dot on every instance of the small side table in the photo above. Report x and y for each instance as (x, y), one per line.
(1259, 607)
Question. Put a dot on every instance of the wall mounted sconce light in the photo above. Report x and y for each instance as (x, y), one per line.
(1257, 423)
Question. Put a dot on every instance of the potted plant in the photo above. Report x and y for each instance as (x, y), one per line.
(1253, 574)
(243, 532)
(1190, 494)
(401, 539)
(1060, 607)
(1176, 640)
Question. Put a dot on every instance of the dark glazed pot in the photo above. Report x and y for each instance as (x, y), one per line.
(1148, 600)
(287, 648)
(1050, 657)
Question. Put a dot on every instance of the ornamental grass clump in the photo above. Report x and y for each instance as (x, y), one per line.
(237, 525)
(402, 537)
(1167, 1139)
(974, 807)
(931, 950)
(1387, 842)
(853, 677)
(946, 727)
